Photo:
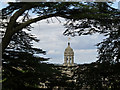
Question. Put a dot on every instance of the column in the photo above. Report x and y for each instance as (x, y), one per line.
(69, 59)
(72, 59)
(65, 59)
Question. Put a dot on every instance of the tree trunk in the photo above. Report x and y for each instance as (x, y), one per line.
(6, 40)
(11, 30)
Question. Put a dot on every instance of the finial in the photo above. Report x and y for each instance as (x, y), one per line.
(69, 39)
(68, 43)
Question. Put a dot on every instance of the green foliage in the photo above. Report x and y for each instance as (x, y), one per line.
(103, 20)
(95, 76)
(22, 69)
(109, 49)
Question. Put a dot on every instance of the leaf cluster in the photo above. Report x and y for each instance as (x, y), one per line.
(97, 76)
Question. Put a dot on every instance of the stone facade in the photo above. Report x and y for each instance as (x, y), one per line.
(68, 56)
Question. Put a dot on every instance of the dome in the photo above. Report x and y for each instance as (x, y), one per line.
(68, 50)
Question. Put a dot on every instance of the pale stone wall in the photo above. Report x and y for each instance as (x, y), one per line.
(68, 56)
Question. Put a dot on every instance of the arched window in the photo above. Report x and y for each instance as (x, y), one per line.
(66, 59)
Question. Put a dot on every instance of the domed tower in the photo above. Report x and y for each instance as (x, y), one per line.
(68, 56)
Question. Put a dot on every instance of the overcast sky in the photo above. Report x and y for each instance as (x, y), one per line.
(54, 42)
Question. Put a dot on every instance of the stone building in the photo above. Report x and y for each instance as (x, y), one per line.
(68, 68)
(68, 56)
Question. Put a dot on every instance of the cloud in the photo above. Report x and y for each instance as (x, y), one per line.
(53, 52)
(6, 1)
(85, 56)
(54, 42)
(86, 42)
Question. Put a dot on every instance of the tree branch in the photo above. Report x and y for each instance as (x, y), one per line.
(9, 30)
(17, 14)
(23, 25)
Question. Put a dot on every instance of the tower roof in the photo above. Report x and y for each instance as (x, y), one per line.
(69, 50)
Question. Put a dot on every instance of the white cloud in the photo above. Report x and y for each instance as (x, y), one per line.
(53, 52)
(85, 55)
(54, 42)
(6, 1)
